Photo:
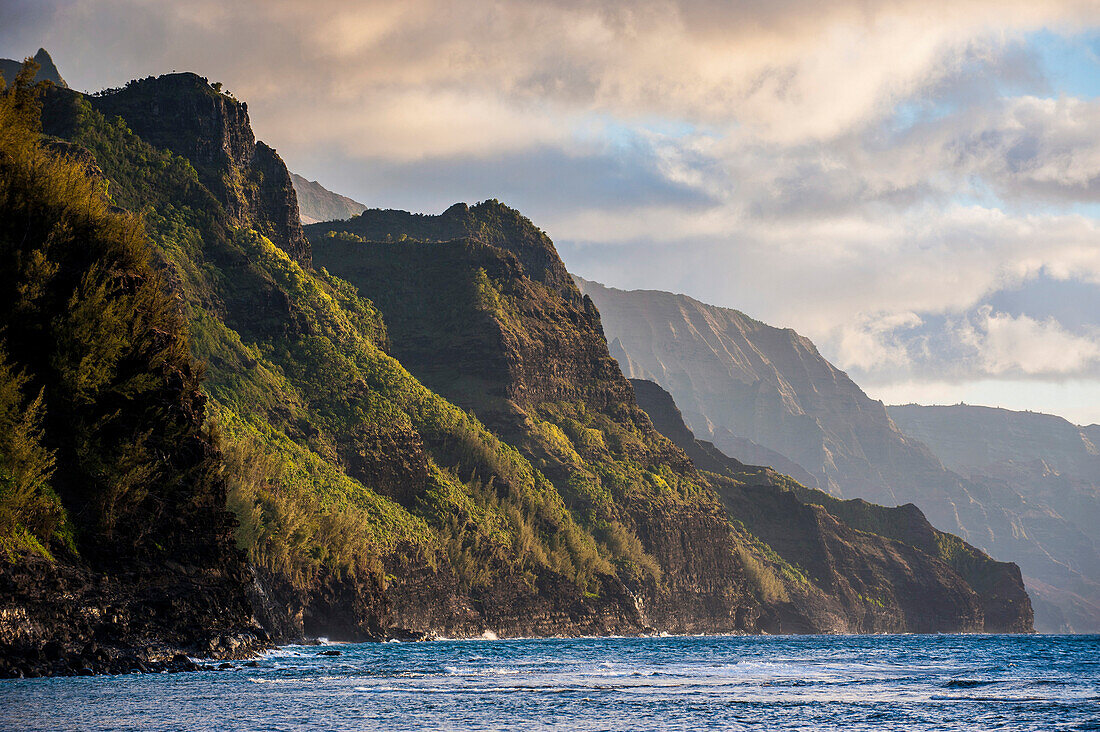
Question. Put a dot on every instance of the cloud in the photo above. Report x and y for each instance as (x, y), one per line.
(788, 70)
(1021, 345)
(875, 173)
(822, 274)
(873, 343)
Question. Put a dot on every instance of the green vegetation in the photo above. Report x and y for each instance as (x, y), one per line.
(513, 462)
(99, 405)
(30, 512)
(337, 462)
(766, 585)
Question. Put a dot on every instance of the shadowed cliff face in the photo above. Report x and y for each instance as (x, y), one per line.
(369, 506)
(527, 355)
(877, 568)
(525, 352)
(756, 391)
(116, 550)
(1048, 471)
(182, 113)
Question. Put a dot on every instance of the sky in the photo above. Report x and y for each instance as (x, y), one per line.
(913, 184)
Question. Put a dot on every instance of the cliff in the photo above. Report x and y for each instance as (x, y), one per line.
(368, 506)
(182, 113)
(317, 203)
(1048, 471)
(737, 377)
(526, 353)
(754, 389)
(877, 568)
(116, 549)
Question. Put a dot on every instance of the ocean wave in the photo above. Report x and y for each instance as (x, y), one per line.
(967, 683)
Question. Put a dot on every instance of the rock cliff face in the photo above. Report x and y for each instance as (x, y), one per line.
(869, 568)
(1046, 471)
(526, 352)
(756, 391)
(182, 113)
(317, 203)
(370, 507)
(735, 377)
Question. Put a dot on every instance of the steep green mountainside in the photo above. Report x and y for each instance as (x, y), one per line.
(442, 446)
(116, 549)
(526, 353)
(752, 388)
(317, 203)
(850, 549)
(369, 505)
(529, 359)
(1049, 471)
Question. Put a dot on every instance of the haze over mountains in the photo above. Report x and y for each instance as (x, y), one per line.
(317, 203)
(757, 391)
(1049, 470)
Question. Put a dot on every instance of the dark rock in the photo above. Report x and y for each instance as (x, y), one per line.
(184, 114)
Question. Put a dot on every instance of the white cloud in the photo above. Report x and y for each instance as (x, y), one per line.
(873, 342)
(851, 168)
(1023, 345)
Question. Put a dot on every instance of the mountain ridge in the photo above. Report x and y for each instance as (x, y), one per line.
(1052, 469)
(752, 386)
(411, 270)
(827, 524)
(46, 71)
(317, 203)
(345, 483)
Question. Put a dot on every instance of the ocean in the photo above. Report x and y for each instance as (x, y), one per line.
(901, 682)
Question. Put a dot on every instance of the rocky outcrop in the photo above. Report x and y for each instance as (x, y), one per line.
(185, 114)
(47, 71)
(870, 568)
(317, 203)
(1046, 473)
(64, 618)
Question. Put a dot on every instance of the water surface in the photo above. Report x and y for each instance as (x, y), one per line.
(909, 683)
